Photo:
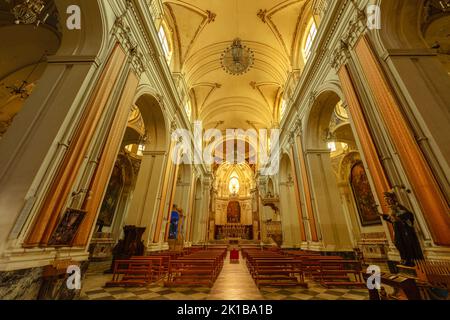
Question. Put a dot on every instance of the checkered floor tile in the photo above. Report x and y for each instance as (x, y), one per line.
(313, 292)
(234, 283)
(152, 292)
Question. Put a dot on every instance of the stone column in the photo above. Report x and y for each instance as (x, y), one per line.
(168, 212)
(297, 193)
(256, 214)
(425, 187)
(166, 186)
(68, 170)
(306, 190)
(144, 205)
(365, 140)
(207, 225)
(424, 84)
(195, 219)
(99, 182)
(263, 211)
(183, 198)
(349, 212)
(285, 210)
(189, 212)
(326, 199)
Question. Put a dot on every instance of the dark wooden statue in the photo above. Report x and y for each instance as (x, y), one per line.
(405, 237)
(131, 245)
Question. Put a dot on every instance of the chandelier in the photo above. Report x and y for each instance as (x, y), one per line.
(439, 5)
(237, 59)
(30, 12)
(24, 90)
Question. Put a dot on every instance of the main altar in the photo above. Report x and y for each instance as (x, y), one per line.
(234, 219)
(234, 231)
(234, 214)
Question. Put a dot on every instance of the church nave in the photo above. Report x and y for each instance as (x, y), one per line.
(146, 144)
(233, 283)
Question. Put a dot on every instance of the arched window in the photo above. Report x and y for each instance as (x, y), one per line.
(310, 36)
(162, 33)
(234, 185)
(188, 109)
(283, 108)
(332, 146)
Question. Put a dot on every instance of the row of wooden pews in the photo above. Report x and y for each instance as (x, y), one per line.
(273, 268)
(289, 268)
(143, 270)
(200, 268)
(330, 271)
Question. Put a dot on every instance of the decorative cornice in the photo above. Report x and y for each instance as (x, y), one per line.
(298, 127)
(124, 35)
(291, 140)
(312, 97)
(356, 27)
(160, 100)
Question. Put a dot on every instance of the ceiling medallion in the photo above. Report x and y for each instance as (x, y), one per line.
(237, 59)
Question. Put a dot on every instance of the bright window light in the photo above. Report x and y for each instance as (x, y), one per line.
(307, 50)
(234, 185)
(165, 43)
(141, 150)
(332, 146)
(188, 109)
(283, 108)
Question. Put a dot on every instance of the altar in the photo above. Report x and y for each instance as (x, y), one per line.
(234, 231)
(233, 219)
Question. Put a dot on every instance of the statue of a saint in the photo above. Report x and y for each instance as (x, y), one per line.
(405, 238)
(174, 219)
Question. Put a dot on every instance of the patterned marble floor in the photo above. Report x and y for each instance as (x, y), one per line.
(234, 283)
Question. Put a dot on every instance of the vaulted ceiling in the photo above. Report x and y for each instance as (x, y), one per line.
(203, 29)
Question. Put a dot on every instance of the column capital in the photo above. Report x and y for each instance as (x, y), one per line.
(355, 28)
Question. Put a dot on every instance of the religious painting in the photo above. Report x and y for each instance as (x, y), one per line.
(112, 198)
(67, 228)
(234, 212)
(365, 202)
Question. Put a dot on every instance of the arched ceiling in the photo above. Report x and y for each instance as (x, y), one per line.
(203, 29)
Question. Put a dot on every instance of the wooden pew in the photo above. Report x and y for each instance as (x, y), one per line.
(192, 272)
(200, 268)
(311, 264)
(341, 272)
(278, 272)
(252, 261)
(300, 253)
(437, 273)
(158, 265)
(131, 273)
(274, 268)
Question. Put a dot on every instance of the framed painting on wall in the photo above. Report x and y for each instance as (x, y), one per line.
(67, 228)
(112, 197)
(234, 212)
(362, 192)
